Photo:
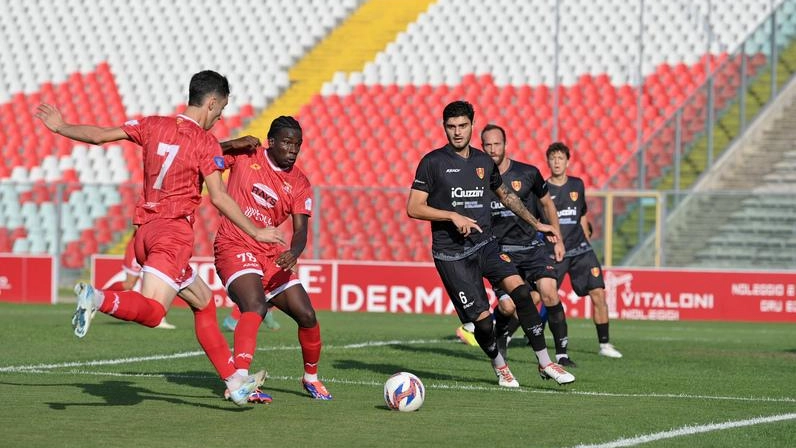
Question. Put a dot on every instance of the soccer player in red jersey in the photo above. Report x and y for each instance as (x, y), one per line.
(179, 154)
(270, 189)
(132, 271)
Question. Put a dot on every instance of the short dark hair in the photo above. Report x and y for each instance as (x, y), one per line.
(557, 147)
(458, 109)
(205, 83)
(492, 127)
(283, 122)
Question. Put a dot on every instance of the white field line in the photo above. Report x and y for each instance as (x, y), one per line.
(75, 368)
(689, 430)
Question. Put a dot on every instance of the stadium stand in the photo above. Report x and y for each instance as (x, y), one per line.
(365, 126)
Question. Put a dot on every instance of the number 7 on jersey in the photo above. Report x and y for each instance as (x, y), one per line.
(170, 151)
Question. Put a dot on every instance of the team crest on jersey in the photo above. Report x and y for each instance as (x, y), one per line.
(264, 196)
(573, 195)
(595, 272)
(505, 258)
(479, 172)
(286, 187)
(255, 166)
(516, 185)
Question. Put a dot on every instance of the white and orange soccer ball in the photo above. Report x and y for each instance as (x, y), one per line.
(404, 392)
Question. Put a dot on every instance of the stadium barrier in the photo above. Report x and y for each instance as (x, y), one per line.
(636, 294)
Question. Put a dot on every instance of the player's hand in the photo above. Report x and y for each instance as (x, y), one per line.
(246, 143)
(50, 116)
(465, 225)
(549, 231)
(287, 261)
(269, 235)
(559, 250)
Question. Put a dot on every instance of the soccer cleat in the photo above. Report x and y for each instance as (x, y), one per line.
(257, 396)
(270, 322)
(566, 362)
(164, 325)
(229, 323)
(316, 389)
(557, 373)
(505, 378)
(466, 336)
(86, 309)
(250, 384)
(609, 351)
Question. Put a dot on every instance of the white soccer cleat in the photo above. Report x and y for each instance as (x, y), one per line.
(556, 372)
(505, 378)
(609, 351)
(250, 384)
(164, 325)
(86, 309)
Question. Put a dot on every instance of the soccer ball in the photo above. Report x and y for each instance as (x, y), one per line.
(404, 392)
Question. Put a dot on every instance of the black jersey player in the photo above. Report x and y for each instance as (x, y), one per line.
(450, 190)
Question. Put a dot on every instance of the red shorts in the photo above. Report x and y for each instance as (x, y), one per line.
(164, 247)
(233, 261)
(130, 265)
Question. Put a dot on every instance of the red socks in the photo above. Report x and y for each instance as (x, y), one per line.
(132, 306)
(246, 338)
(212, 341)
(310, 340)
(235, 313)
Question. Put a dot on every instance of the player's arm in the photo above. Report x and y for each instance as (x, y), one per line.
(245, 144)
(584, 223)
(229, 208)
(95, 135)
(549, 208)
(514, 203)
(417, 207)
(287, 260)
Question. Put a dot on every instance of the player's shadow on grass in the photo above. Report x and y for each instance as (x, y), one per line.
(126, 393)
(465, 351)
(389, 369)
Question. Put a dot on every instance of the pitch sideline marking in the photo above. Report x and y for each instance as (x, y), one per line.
(689, 430)
(44, 368)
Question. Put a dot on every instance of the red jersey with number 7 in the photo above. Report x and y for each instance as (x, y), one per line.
(178, 154)
(267, 194)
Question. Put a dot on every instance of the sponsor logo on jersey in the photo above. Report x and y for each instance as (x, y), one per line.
(264, 196)
(569, 211)
(255, 166)
(255, 214)
(219, 161)
(573, 195)
(516, 185)
(479, 172)
(459, 192)
(595, 271)
(452, 170)
(505, 258)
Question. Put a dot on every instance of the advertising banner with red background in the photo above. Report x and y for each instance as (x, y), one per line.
(654, 294)
(27, 279)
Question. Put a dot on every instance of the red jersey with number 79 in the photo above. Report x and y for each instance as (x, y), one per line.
(267, 194)
(178, 154)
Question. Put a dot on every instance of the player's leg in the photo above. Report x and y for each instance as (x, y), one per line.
(531, 324)
(556, 318)
(463, 282)
(240, 384)
(295, 302)
(587, 279)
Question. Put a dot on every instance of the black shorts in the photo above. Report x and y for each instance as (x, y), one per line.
(463, 279)
(585, 272)
(532, 264)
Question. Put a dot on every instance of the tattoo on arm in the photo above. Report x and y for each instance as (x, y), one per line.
(514, 203)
